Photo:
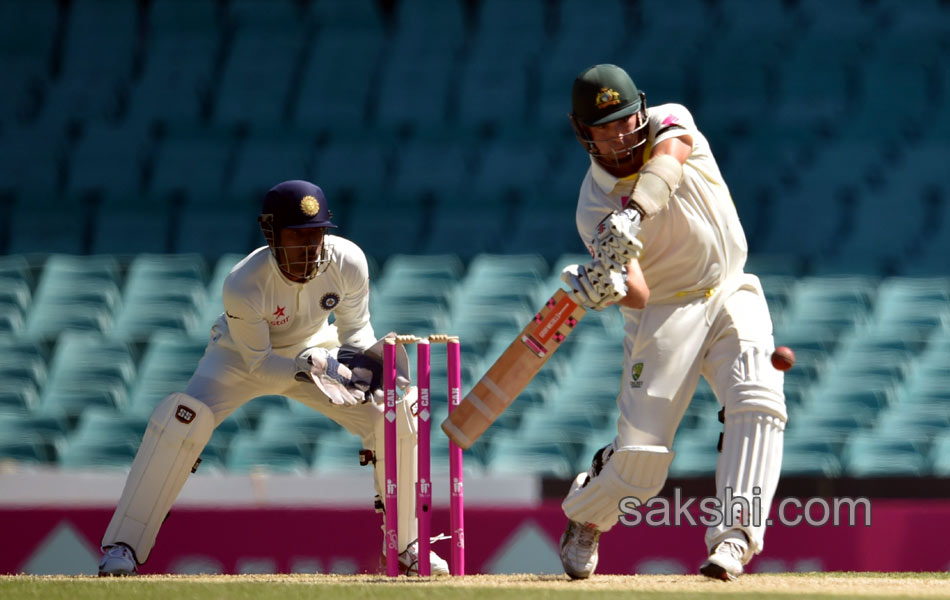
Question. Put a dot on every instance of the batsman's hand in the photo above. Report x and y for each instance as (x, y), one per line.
(334, 379)
(594, 285)
(616, 241)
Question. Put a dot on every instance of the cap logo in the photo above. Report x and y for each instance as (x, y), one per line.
(607, 97)
(309, 206)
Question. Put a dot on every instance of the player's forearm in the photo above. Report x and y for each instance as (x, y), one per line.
(638, 292)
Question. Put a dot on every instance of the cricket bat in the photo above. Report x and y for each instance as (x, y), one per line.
(513, 370)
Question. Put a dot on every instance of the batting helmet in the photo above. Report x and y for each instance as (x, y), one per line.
(602, 94)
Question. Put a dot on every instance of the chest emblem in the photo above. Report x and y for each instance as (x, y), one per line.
(329, 301)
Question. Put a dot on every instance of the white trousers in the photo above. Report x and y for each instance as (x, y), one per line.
(223, 383)
(728, 340)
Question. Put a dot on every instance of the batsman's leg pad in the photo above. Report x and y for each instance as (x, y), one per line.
(406, 442)
(177, 432)
(748, 468)
(638, 471)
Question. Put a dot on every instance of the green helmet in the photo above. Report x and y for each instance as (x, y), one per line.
(605, 93)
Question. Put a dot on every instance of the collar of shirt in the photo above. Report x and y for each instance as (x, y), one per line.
(609, 184)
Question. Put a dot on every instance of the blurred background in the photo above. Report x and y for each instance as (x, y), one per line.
(137, 138)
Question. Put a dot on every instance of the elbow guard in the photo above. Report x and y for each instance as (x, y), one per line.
(659, 177)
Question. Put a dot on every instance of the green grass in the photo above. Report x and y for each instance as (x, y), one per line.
(654, 587)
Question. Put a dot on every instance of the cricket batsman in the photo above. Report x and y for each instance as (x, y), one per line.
(274, 337)
(667, 246)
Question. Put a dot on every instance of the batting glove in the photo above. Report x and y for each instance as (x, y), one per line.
(616, 242)
(595, 286)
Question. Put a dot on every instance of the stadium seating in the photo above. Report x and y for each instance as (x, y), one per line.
(136, 140)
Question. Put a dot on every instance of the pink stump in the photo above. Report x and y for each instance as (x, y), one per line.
(457, 502)
(389, 442)
(424, 481)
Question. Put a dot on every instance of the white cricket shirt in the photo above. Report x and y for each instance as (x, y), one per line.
(266, 313)
(696, 241)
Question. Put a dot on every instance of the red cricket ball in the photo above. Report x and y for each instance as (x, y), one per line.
(783, 358)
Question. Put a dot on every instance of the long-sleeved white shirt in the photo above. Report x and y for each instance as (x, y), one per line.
(269, 319)
(696, 242)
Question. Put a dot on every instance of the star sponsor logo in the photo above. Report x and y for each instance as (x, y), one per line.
(280, 317)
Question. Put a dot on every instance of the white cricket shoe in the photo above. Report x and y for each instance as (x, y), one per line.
(579, 550)
(409, 562)
(725, 561)
(117, 561)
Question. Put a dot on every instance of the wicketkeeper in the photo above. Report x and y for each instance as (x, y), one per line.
(275, 338)
(667, 246)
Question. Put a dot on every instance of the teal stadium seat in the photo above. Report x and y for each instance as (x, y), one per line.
(15, 294)
(177, 76)
(353, 30)
(268, 37)
(95, 66)
(494, 88)
(22, 370)
(870, 454)
(427, 39)
(541, 457)
(166, 366)
(162, 292)
(96, 424)
(915, 421)
(270, 157)
(86, 370)
(831, 428)
(863, 395)
(27, 35)
(247, 452)
(36, 435)
(335, 452)
(940, 455)
(567, 53)
(24, 450)
(74, 292)
(256, 407)
(213, 305)
(18, 398)
(116, 454)
(805, 457)
(696, 454)
(298, 423)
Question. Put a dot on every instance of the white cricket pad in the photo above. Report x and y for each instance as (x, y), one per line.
(638, 471)
(407, 440)
(177, 432)
(749, 467)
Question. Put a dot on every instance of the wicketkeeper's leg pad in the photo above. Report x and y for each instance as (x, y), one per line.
(637, 471)
(177, 432)
(749, 468)
(407, 441)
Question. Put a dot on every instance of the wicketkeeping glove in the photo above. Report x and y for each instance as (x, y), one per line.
(595, 286)
(334, 379)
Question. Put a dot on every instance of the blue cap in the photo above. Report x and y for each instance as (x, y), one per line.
(297, 205)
